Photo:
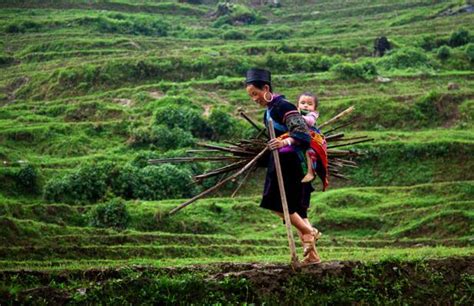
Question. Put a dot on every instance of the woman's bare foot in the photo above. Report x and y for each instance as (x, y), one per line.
(307, 178)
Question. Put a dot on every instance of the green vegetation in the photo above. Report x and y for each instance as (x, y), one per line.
(90, 90)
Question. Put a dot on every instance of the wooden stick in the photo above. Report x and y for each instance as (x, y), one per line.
(262, 133)
(350, 143)
(284, 204)
(345, 161)
(339, 127)
(338, 116)
(345, 139)
(338, 175)
(241, 183)
(231, 150)
(193, 151)
(260, 130)
(220, 170)
(334, 137)
(195, 159)
(251, 121)
(333, 152)
(209, 190)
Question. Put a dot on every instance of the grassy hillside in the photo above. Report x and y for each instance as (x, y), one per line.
(90, 90)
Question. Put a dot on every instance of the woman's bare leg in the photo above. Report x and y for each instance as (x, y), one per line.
(303, 227)
(305, 232)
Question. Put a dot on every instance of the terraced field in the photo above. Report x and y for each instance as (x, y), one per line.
(90, 90)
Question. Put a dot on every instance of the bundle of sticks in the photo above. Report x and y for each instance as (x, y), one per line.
(241, 157)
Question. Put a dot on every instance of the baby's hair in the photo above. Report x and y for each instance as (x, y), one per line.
(309, 94)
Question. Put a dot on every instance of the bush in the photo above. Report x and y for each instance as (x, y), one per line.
(405, 58)
(470, 52)
(126, 25)
(170, 138)
(13, 28)
(443, 53)
(164, 182)
(348, 71)
(87, 184)
(202, 34)
(26, 26)
(186, 118)
(234, 35)
(126, 181)
(459, 38)
(139, 136)
(27, 178)
(222, 124)
(6, 60)
(113, 214)
(161, 136)
(274, 34)
(239, 15)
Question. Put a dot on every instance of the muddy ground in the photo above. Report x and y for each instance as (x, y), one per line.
(441, 281)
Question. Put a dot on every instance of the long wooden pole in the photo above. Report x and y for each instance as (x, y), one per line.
(284, 203)
(242, 182)
(337, 117)
(261, 131)
(209, 190)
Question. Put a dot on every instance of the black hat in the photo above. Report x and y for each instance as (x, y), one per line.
(256, 74)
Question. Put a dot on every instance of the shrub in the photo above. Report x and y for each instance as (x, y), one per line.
(126, 25)
(113, 214)
(274, 34)
(470, 52)
(139, 136)
(170, 138)
(87, 184)
(405, 58)
(27, 178)
(185, 118)
(203, 34)
(234, 35)
(222, 124)
(13, 28)
(239, 15)
(459, 38)
(164, 182)
(347, 71)
(25, 26)
(325, 62)
(6, 60)
(443, 53)
(125, 181)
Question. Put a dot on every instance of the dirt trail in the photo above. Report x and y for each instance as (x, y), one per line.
(441, 280)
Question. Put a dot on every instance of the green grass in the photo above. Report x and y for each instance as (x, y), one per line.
(80, 78)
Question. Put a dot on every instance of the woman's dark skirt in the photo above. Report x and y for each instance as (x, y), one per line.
(297, 194)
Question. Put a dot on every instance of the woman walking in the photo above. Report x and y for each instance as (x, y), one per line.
(292, 140)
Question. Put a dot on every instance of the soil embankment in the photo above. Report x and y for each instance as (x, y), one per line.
(441, 281)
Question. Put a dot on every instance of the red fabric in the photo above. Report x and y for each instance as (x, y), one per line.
(320, 155)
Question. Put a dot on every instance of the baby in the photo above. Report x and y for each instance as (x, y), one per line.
(307, 106)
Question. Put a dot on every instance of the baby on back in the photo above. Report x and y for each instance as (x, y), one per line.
(307, 106)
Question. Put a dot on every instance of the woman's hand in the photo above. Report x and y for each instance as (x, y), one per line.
(277, 143)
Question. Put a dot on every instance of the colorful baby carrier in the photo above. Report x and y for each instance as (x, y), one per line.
(317, 153)
(319, 156)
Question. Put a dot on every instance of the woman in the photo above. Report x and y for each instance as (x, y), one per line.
(286, 119)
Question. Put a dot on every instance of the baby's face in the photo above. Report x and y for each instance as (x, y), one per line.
(307, 103)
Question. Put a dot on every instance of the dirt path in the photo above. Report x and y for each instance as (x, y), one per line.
(444, 281)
